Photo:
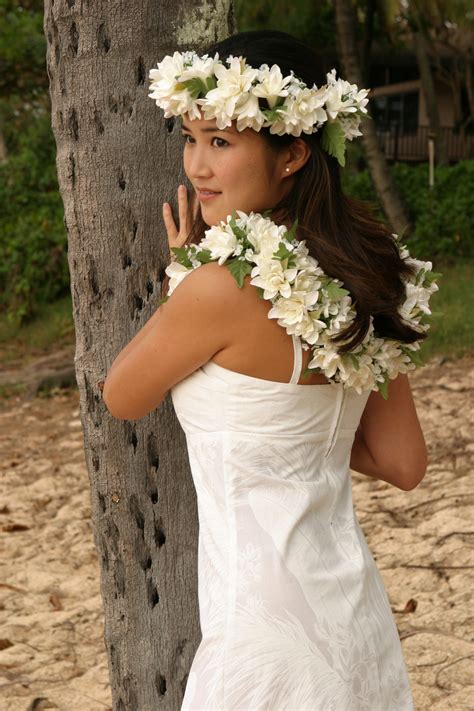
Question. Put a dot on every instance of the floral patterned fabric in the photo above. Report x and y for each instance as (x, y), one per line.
(294, 614)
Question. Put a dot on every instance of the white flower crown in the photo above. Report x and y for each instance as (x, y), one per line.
(185, 83)
(306, 301)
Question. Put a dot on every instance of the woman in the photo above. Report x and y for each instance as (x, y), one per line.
(294, 614)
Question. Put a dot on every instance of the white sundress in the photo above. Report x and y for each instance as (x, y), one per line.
(293, 611)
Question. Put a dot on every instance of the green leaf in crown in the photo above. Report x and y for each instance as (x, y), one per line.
(333, 141)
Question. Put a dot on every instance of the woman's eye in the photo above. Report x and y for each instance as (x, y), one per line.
(223, 142)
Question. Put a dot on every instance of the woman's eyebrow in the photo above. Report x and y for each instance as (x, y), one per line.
(206, 130)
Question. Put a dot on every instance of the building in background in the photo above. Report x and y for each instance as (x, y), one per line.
(398, 107)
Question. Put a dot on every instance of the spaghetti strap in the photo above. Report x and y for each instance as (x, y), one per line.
(298, 359)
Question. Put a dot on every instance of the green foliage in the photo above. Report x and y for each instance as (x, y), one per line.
(333, 141)
(23, 76)
(33, 258)
(442, 216)
(311, 22)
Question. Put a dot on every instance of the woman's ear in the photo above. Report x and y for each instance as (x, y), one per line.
(297, 154)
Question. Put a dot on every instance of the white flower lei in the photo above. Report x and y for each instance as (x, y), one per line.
(306, 301)
(186, 83)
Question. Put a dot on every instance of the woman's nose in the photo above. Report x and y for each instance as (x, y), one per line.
(198, 164)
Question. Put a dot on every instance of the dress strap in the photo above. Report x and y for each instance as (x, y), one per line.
(298, 359)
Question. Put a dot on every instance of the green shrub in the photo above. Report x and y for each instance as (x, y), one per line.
(33, 251)
(442, 216)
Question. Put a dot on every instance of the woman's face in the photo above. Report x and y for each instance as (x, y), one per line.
(240, 168)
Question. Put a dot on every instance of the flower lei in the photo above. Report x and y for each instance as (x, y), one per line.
(185, 83)
(306, 301)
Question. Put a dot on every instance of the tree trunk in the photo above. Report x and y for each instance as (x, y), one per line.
(116, 165)
(385, 187)
(429, 92)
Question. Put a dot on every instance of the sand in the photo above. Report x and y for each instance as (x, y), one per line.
(52, 653)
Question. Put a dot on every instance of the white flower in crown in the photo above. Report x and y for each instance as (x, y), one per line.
(343, 97)
(200, 68)
(350, 126)
(205, 87)
(309, 303)
(165, 88)
(303, 112)
(232, 94)
(272, 85)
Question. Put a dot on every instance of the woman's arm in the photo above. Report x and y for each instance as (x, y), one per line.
(149, 327)
(389, 443)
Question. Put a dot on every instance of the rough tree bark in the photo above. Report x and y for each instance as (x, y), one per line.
(386, 190)
(116, 165)
(427, 83)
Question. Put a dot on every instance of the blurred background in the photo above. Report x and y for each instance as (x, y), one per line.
(417, 58)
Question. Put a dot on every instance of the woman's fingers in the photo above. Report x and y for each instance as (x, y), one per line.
(195, 206)
(187, 212)
(183, 209)
(169, 222)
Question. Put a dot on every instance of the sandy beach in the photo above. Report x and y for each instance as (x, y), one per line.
(52, 653)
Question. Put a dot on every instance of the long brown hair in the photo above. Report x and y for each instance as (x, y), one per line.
(341, 233)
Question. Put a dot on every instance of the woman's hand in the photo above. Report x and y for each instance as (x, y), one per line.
(177, 236)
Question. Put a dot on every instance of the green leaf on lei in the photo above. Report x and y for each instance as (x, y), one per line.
(163, 300)
(383, 387)
(354, 360)
(431, 276)
(334, 291)
(238, 231)
(291, 234)
(239, 268)
(333, 141)
(182, 256)
(282, 252)
(204, 256)
(416, 357)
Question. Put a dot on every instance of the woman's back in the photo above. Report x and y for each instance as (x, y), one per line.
(260, 347)
(293, 611)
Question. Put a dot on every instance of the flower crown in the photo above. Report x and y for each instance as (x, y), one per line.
(186, 83)
(306, 301)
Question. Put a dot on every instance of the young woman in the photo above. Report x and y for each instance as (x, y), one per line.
(294, 614)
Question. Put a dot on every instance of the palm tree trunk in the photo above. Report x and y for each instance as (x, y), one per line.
(116, 165)
(385, 187)
(427, 83)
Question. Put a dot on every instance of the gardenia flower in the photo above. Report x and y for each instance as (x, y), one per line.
(302, 112)
(232, 90)
(270, 276)
(201, 68)
(309, 303)
(221, 242)
(343, 97)
(350, 126)
(164, 82)
(271, 84)
(176, 272)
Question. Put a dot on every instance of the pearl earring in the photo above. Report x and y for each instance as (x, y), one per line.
(287, 170)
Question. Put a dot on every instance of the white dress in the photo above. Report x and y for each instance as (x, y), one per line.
(293, 611)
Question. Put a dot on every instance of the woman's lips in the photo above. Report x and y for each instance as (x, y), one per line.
(206, 195)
